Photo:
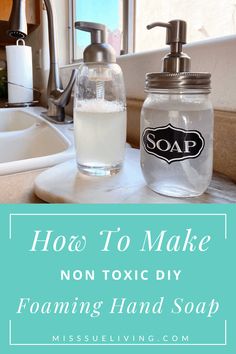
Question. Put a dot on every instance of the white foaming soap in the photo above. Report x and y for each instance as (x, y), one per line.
(100, 134)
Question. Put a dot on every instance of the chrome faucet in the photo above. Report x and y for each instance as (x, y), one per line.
(58, 97)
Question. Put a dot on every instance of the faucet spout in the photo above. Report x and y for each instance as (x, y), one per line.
(58, 98)
(54, 80)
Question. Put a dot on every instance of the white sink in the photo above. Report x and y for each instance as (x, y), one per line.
(15, 120)
(28, 141)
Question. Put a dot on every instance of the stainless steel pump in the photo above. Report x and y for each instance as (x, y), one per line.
(99, 51)
(176, 72)
(176, 61)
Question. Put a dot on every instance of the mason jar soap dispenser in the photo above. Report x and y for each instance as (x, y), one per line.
(177, 123)
(99, 107)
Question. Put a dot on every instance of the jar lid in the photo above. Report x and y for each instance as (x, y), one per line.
(184, 80)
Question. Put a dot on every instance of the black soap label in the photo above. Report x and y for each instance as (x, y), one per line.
(172, 144)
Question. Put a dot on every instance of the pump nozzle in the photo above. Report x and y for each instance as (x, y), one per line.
(97, 30)
(98, 51)
(176, 61)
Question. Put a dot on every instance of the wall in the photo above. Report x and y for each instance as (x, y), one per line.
(204, 19)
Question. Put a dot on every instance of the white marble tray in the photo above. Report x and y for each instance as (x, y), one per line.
(64, 184)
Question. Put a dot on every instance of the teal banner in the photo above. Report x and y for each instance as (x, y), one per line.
(121, 279)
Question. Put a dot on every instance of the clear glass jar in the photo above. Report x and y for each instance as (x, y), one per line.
(177, 141)
(100, 119)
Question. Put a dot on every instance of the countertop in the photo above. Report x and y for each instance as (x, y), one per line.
(18, 188)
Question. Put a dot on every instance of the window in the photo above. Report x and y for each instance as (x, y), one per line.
(113, 13)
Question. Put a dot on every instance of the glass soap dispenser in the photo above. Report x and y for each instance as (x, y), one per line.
(99, 107)
(177, 123)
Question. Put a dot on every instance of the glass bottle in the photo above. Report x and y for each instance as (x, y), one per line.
(99, 107)
(177, 123)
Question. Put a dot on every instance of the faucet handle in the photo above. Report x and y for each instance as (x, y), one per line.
(63, 97)
(58, 100)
